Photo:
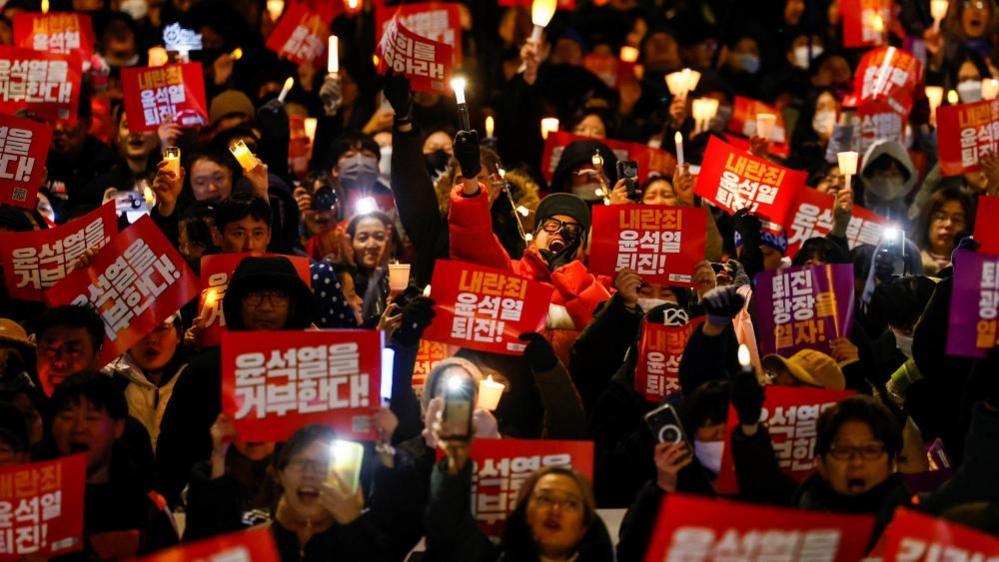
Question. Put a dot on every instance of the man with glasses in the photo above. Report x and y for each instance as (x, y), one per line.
(264, 293)
(553, 251)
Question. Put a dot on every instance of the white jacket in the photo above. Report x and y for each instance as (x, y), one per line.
(146, 401)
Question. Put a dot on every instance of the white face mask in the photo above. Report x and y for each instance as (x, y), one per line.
(709, 453)
(886, 188)
(587, 191)
(648, 304)
(824, 122)
(970, 90)
(801, 55)
(904, 345)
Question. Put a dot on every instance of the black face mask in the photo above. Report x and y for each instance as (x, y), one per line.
(436, 162)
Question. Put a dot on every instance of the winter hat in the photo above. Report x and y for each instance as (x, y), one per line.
(776, 241)
(811, 367)
(229, 102)
(564, 204)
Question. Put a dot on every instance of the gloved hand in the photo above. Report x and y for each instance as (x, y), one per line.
(747, 397)
(748, 226)
(273, 120)
(416, 316)
(722, 304)
(466, 151)
(331, 94)
(564, 256)
(539, 353)
(399, 94)
(884, 264)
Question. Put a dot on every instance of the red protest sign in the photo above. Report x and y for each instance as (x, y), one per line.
(965, 133)
(429, 354)
(889, 75)
(484, 308)
(56, 32)
(36, 260)
(43, 507)
(302, 32)
(812, 216)
(24, 145)
(875, 121)
(436, 21)
(50, 90)
(789, 413)
(915, 537)
(650, 160)
(986, 217)
(562, 4)
(733, 179)
(865, 22)
(500, 467)
(253, 545)
(427, 64)
(136, 282)
(273, 383)
(712, 530)
(743, 122)
(174, 93)
(663, 244)
(216, 270)
(657, 372)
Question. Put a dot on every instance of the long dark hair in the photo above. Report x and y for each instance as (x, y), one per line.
(936, 202)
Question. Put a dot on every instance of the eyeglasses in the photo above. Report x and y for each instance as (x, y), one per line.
(868, 452)
(570, 229)
(546, 500)
(275, 298)
(302, 465)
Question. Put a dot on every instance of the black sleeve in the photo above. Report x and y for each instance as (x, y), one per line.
(757, 472)
(707, 358)
(601, 347)
(638, 524)
(404, 404)
(213, 506)
(452, 534)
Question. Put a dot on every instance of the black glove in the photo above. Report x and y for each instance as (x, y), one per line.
(273, 120)
(562, 257)
(748, 226)
(747, 397)
(398, 94)
(466, 151)
(884, 264)
(416, 316)
(722, 304)
(539, 353)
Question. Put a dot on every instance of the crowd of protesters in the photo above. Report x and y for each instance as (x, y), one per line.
(391, 177)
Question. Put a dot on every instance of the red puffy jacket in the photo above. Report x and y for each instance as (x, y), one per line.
(472, 240)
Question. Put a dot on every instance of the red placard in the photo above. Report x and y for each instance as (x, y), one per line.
(790, 413)
(253, 545)
(663, 244)
(965, 133)
(24, 145)
(812, 216)
(502, 465)
(650, 160)
(429, 354)
(274, 383)
(986, 233)
(36, 260)
(436, 21)
(136, 282)
(483, 308)
(743, 122)
(890, 75)
(56, 32)
(657, 372)
(174, 93)
(712, 530)
(875, 121)
(562, 4)
(427, 64)
(733, 179)
(915, 537)
(43, 507)
(216, 270)
(50, 91)
(860, 22)
(302, 32)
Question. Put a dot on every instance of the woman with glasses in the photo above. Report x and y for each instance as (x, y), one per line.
(948, 216)
(554, 518)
